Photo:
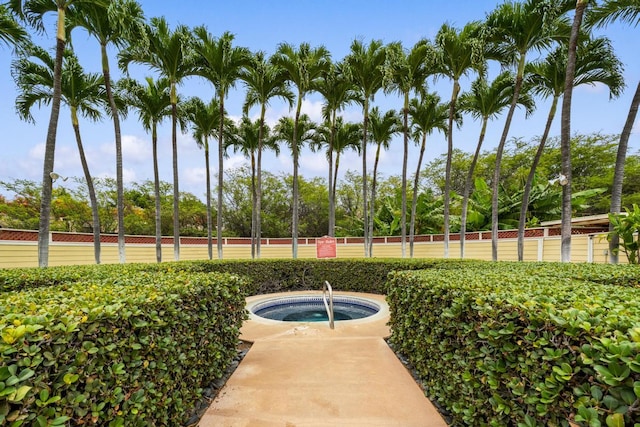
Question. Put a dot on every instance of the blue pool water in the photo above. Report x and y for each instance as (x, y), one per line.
(312, 309)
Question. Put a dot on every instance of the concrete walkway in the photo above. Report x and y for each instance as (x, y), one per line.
(309, 375)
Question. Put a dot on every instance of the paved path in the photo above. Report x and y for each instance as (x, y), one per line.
(308, 375)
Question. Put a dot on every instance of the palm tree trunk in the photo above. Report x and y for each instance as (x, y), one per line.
(565, 132)
(90, 187)
(294, 149)
(156, 189)
(253, 205)
(259, 184)
(527, 187)
(332, 207)
(365, 212)
(118, 137)
(414, 202)
(495, 185)
(220, 177)
(447, 181)
(335, 175)
(405, 156)
(50, 147)
(467, 186)
(616, 191)
(176, 192)
(209, 218)
(374, 183)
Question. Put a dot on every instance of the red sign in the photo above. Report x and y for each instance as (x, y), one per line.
(326, 247)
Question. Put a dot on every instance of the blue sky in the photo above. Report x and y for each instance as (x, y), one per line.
(261, 25)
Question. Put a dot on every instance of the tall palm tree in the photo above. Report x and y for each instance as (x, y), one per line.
(565, 132)
(365, 66)
(33, 12)
(249, 138)
(264, 81)
(169, 53)
(427, 114)
(382, 129)
(485, 101)
(295, 134)
(115, 24)
(627, 11)
(337, 91)
(404, 73)
(461, 53)
(518, 28)
(204, 119)
(153, 103)
(595, 63)
(303, 68)
(82, 93)
(344, 136)
(11, 33)
(221, 64)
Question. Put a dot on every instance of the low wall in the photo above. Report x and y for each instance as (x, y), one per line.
(18, 248)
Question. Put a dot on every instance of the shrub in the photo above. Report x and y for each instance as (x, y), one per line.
(522, 344)
(125, 349)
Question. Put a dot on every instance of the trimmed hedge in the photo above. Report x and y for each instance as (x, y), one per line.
(523, 344)
(268, 276)
(120, 347)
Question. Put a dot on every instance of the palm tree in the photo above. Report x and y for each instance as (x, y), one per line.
(33, 11)
(81, 92)
(382, 129)
(365, 70)
(204, 119)
(222, 64)
(627, 11)
(406, 72)
(295, 134)
(11, 33)
(337, 91)
(461, 52)
(517, 29)
(595, 63)
(115, 24)
(249, 138)
(427, 114)
(303, 68)
(344, 136)
(153, 104)
(485, 101)
(565, 131)
(169, 53)
(264, 81)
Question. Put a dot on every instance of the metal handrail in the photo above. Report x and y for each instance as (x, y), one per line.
(328, 305)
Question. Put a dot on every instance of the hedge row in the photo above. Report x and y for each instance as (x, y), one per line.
(119, 347)
(268, 276)
(523, 344)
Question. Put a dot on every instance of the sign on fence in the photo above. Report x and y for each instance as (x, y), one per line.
(326, 247)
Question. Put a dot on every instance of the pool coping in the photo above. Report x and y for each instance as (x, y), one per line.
(257, 328)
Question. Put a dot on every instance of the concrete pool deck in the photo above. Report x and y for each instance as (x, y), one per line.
(305, 374)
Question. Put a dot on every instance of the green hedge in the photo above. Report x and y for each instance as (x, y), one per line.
(523, 344)
(120, 348)
(268, 276)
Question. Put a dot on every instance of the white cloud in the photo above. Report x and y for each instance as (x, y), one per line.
(194, 176)
(593, 88)
(134, 149)
(313, 109)
(235, 162)
(314, 163)
(67, 161)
